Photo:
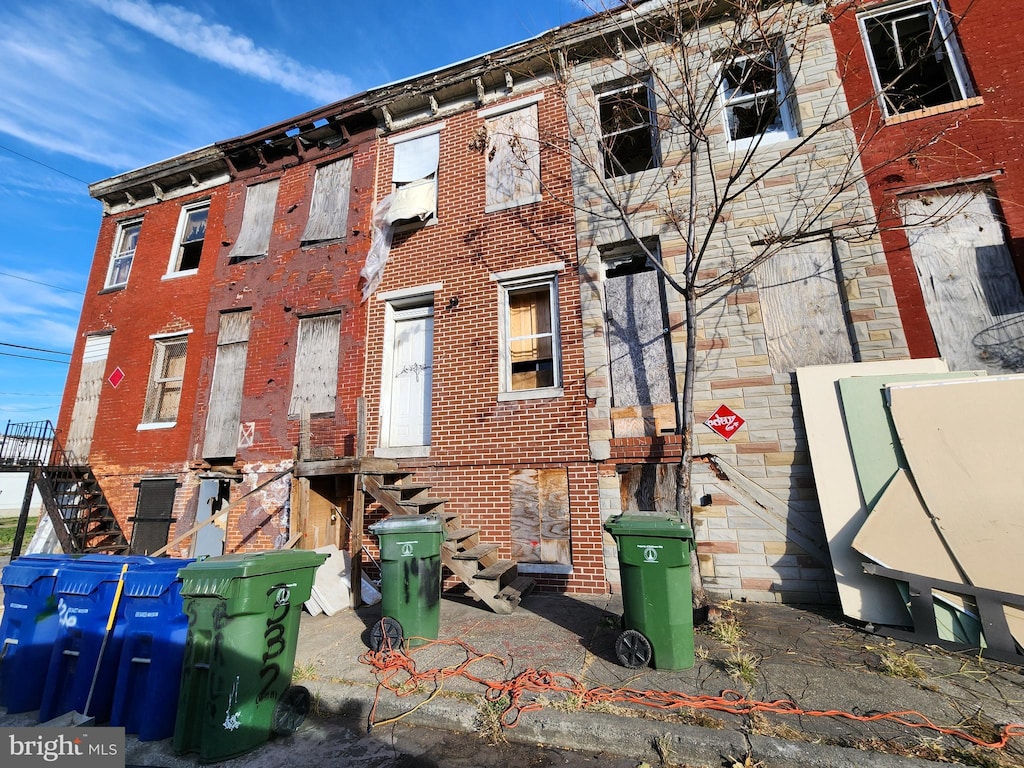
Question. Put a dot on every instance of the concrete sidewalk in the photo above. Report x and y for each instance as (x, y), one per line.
(806, 657)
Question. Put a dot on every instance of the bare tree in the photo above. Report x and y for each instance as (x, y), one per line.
(722, 127)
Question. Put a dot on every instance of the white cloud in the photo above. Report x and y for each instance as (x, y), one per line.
(220, 44)
(66, 91)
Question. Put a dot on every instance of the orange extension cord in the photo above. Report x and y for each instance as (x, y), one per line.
(396, 671)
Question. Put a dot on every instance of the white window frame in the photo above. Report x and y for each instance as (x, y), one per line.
(121, 253)
(158, 381)
(173, 265)
(430, 179)
(781, 91)
(512, 282)
(948, 41)
(652, 126)
(529, 157)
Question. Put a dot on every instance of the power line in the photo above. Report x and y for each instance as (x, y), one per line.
(40, 162)
(48, 285)
(30, 394)
(35, 349)
(30, 357)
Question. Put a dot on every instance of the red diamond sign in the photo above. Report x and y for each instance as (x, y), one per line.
(116, 377)
(724, 422)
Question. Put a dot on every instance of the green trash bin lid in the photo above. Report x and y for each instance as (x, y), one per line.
(213, 576)
(407, 524)
(662, 526)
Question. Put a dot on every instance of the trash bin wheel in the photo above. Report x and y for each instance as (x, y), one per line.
(386, 633)
(632, 649)
(291, 710)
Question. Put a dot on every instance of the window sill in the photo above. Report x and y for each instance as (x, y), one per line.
(513, 204)
(113, 288)
(403, 452)
(531, 394)
(183, 273)
(953, 106)
(763, 140)
(554, 568)
(156, 425)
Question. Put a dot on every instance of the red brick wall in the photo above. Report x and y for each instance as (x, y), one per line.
(121, 453)
(982, 139)
(476, 440)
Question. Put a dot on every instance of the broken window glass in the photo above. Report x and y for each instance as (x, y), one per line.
(915, 61)
(415, 179)
(193, 234)
(754, 96)
(628, 130)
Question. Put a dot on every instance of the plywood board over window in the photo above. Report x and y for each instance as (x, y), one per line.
(257, 221)
(637, 339)
(513, 159)
(540, 516)
(328, 211)
(87, 398)
(315, 383)
(222, 421)
(801, 309)
(971, 290)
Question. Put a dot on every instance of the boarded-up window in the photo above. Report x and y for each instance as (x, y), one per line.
(87, 398)
(513, 159)
(971, 290)
(222, 421)
(649, 488)
(315, 383)
(328, 211)
(153, 515)
(257, 221)
(165, 378)
(803, 316)
(638, 338)
(415, 179)
(540, 516)
(531, 349)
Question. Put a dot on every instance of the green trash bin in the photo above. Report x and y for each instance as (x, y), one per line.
(243, 623)
(410, 580)
(657, 602)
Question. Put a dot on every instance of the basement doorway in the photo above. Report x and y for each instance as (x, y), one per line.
(153, 515)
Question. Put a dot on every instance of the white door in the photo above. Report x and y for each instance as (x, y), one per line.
(411, 377)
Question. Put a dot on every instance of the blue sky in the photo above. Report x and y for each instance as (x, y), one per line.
(93, 88)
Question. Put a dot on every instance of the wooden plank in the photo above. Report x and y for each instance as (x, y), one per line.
(802, 276)
(637, 340)
(475, 553)
(862, 596)
(496, 571)
(971, 290)
(358, 510)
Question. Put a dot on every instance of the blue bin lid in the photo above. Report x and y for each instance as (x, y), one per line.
(155, 579)
(86, 574)
(28, 569)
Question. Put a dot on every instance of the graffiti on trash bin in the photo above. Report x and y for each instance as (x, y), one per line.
(275, 640)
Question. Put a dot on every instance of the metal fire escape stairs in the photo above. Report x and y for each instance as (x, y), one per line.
(491, 580)
(82, 519)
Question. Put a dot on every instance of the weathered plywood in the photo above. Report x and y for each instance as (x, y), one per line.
(803, 316)
(513, 158)
(971, 290)
(87, 398)
(257, 220)
(539, 520)
(649, 488)
(637, 340)
(877, 455)
(862, 596)
(328, 210)
(223, 417)
(315, 381)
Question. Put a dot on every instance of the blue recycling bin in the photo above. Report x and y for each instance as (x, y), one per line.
(155, 629)
(86, 589)
(28, 628)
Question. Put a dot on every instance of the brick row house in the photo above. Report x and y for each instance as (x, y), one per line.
(465, 292)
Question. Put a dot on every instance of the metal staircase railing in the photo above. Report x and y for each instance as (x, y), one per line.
(81, 517)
